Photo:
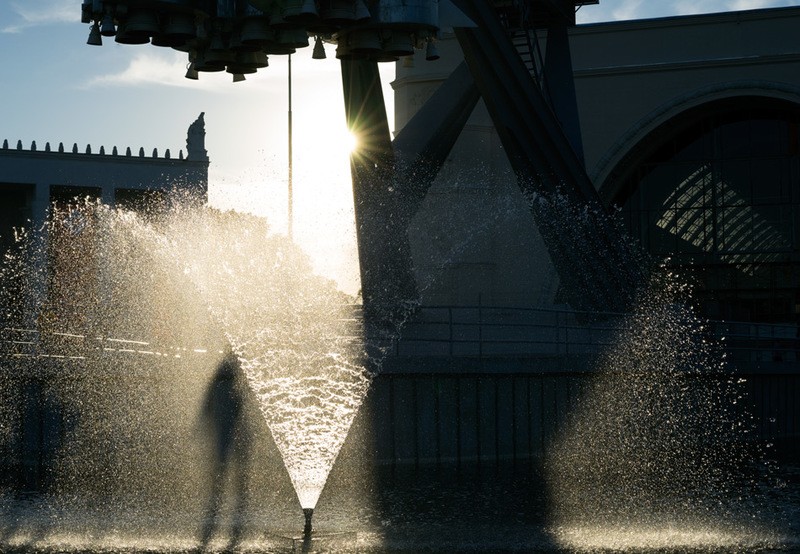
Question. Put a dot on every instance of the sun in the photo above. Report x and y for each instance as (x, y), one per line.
(347, 141)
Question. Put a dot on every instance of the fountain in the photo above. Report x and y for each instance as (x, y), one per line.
(208, 319)
(660, 440)
(202, 376)
(198, 297)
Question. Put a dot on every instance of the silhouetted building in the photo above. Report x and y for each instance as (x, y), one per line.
(32, 177)
(33, 180)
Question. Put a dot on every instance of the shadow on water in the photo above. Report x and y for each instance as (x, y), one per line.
(451, 509)
(223, 419)
(488, 506)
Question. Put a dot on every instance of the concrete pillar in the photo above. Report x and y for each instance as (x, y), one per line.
(387, 281)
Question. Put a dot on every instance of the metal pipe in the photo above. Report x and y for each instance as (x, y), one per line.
(290, 200)
(309, 513)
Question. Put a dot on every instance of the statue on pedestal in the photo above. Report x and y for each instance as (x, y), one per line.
(196, 139)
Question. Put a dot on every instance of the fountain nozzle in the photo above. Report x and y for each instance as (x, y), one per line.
(308, 512)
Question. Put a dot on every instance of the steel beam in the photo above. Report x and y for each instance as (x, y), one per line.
(424, 143)
(560, 85)
(597, 267)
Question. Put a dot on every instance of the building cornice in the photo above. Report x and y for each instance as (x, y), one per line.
(687, 65)
(684, 21)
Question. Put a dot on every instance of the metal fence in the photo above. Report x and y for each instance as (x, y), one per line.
(482, 332)
(477, 331)
(484, 384)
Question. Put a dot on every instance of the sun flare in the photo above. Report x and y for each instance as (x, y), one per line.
(351, 141)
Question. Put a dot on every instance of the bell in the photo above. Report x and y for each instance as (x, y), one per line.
(124, 37)
(254, 60)
(95, 38)
(364, 42)
(185, 46)
(220, 57)
(408, 61)
(255, 31)
(431, 51)
(107, 28)
(337, 12)
(142, 22)
(292, 38)
(398, 44)
(276, 19)
(319, 50)
(321, 27)
(86, 11)
(202, 64)
(300, 12)
(236, 69)
(163, 40)
(191, 72)
(179, 26)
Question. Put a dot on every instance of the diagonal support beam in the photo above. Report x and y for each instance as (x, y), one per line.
(424, 143)
(596, 265)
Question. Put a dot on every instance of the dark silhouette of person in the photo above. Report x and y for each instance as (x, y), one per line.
(224, 422)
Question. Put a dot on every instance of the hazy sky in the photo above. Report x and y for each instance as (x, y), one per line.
(56, 88)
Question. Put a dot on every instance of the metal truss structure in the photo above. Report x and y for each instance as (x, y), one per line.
(530, 97)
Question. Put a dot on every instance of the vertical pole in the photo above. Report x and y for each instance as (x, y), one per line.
(290, 200)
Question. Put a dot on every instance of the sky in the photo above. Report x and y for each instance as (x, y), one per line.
(55, 88)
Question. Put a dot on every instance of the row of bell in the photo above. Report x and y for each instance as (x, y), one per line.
(142, 27)
(179, 32)
(246, 63)
(316, 16)
(240, 62)
(382, 45)
(175, 29)
(256, 31)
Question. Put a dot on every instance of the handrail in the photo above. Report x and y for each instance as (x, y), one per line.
(465, 331)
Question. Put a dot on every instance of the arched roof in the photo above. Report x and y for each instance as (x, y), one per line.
(674, 117)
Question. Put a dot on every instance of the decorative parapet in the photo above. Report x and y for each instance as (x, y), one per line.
(88, 150)
(195, 146)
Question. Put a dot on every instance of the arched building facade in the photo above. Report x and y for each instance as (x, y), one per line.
(715, 189)
(689, 126)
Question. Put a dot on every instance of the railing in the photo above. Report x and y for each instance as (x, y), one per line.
(470, 332)
(769, 346)
(27, 343)
(479, 331)
(499, 331)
